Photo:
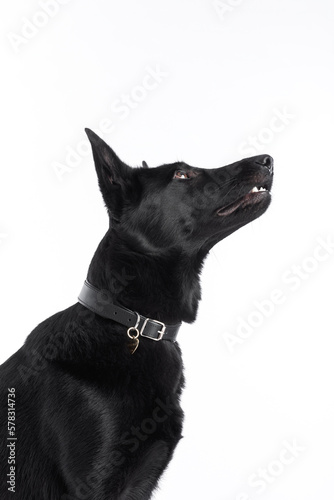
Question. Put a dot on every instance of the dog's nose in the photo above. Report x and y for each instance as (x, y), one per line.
(265, 161)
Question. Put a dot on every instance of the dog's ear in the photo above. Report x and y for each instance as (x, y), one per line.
(113, 175)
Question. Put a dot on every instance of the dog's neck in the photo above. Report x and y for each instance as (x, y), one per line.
(164, 286)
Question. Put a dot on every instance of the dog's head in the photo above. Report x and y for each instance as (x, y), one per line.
(179, 206)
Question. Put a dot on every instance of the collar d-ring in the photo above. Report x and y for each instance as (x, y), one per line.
(134, 328)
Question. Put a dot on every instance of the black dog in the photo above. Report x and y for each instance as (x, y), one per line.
(93, 395)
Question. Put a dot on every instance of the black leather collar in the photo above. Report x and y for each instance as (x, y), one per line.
(100, 302)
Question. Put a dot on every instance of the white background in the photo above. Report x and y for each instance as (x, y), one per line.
(228, 72)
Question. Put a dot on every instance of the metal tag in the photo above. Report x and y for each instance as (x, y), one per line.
(133, 345)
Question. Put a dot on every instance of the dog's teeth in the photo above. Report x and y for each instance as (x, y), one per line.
(256, 189)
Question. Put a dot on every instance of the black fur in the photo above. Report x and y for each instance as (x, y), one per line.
(92, 420)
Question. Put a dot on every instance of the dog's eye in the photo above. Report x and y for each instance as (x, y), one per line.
(181, 174)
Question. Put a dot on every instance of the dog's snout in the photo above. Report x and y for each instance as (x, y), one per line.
(265, 161)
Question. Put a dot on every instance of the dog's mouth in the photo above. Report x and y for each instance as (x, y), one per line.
(253, 197)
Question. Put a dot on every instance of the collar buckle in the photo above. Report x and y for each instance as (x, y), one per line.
(161, 332)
